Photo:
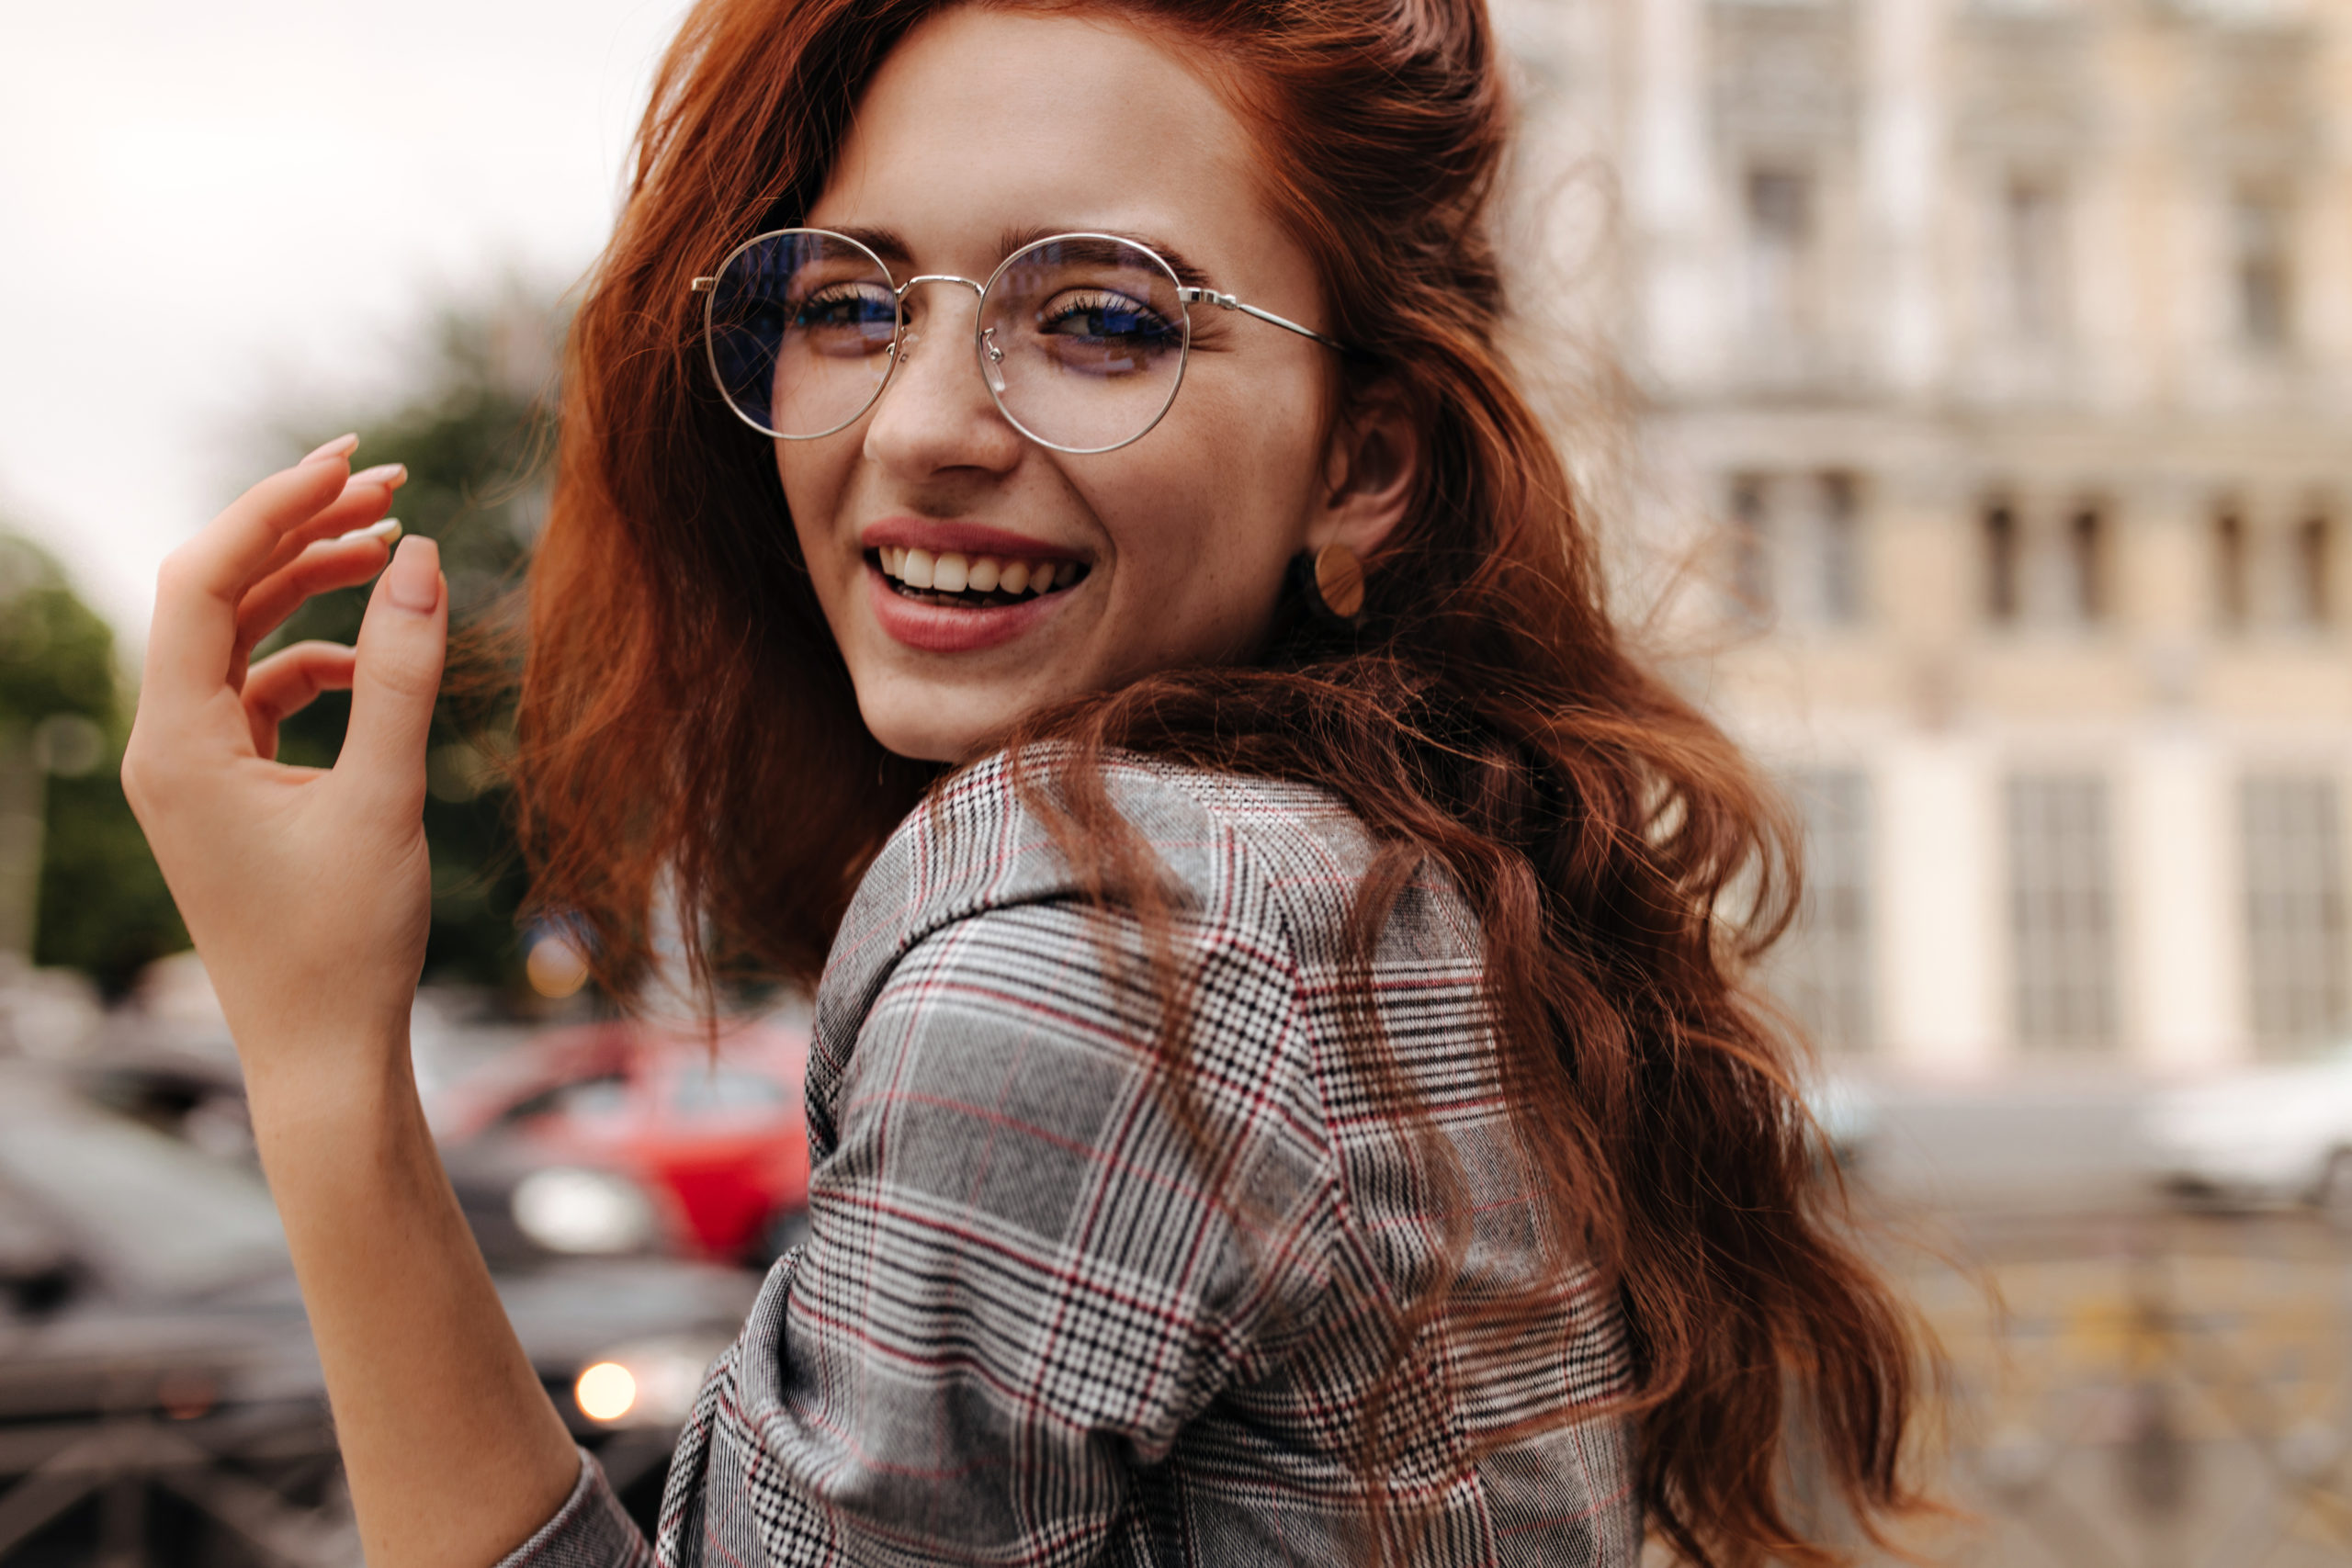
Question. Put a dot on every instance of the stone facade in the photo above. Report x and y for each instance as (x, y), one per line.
(1996, 363)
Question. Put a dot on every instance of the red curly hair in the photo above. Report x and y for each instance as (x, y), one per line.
(688, 730)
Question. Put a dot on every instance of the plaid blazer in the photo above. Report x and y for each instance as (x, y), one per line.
(1041, 1319)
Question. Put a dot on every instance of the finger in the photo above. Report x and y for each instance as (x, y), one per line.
(321, 567)
(366, 497)
(289, 681)
(197, 590)
(402, 644)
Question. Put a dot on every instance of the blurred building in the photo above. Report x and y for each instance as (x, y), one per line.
(2007, 346)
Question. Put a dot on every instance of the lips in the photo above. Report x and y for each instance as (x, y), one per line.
(958, 587)
(941, 535)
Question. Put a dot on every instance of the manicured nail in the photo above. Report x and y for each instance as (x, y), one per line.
(389, 474)
(388, 530)
(339, 447)
(413, 579)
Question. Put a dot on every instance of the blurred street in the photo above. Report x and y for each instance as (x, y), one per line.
(1960, 390)
(2016, 1148)
(160, 1399)
(2136, 1382)
(2148, 1387)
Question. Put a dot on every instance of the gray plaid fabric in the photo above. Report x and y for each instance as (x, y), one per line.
(1042, 1320)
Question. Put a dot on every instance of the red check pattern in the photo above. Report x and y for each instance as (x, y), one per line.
(1026, 1331)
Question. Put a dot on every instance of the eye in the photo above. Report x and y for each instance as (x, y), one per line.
(861, 306)
(1105, 316)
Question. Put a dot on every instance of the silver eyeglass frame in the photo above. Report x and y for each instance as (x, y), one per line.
(1187, 297)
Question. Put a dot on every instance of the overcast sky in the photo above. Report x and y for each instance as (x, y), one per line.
(207, 210)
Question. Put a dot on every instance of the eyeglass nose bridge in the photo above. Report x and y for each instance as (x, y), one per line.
(976, 286)
(911, 336)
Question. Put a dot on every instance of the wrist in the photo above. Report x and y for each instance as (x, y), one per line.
(307, 1015)
(326, 1079)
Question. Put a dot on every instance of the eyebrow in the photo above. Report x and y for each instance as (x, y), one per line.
(884, 242)
(1186, 273)
(892, 246)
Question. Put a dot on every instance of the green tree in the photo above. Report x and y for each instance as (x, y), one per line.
(104, 907)
(474, 434)
(100, 906)
(56, 653)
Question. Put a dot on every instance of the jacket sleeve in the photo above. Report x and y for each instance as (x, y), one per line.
(1032, 1259)
(589, 1531)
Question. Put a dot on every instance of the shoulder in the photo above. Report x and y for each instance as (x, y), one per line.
(972, 901)
(981, 1014)
(1237, 853)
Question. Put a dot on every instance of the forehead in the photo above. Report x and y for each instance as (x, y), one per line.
(985, 122)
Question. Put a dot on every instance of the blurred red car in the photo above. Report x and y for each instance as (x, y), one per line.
(621, 1137)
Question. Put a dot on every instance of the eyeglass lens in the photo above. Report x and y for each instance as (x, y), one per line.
(1081, 339)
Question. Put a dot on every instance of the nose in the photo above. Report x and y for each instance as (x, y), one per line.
(936, 413)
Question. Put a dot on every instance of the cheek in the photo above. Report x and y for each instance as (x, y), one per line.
(1204, 528)
(814, 479)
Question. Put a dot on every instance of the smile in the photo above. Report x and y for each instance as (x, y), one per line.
(954, 579)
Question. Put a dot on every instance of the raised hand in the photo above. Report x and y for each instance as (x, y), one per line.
(308, 891)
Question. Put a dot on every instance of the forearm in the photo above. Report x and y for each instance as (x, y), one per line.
(453, 1451)
(308, 892)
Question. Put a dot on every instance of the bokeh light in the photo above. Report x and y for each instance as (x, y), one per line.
(606, 1391)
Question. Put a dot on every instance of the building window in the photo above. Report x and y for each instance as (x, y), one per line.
(2003, 602)
(1797, 548)
(1837, 547)
(2083, 597)
(2273, 578)
(2033, 258)
(2308, 599)
(1824, 963)
(2263, 270)
(1752, 547)
(2043, 572)
(2062, 913)
(2232, 574)
(1779, 257)
(2294, 911)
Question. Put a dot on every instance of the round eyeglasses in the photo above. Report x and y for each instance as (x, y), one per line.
(1081, 338)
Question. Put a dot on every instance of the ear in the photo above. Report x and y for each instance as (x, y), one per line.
(1369, 471)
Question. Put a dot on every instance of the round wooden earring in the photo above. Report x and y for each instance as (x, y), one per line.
(1336, 580)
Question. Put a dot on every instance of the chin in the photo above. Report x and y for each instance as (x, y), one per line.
(905, 729)
(925, 745)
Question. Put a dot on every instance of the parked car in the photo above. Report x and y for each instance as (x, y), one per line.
(159, 1395)
(2275, 1135)
(197, 1097)
(617, 1137)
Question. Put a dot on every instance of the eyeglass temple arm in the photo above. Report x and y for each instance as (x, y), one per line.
(1227, 302)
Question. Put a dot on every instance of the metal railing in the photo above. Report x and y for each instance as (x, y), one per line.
(2145, 1390)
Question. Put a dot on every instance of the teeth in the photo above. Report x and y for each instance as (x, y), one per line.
(951, 573)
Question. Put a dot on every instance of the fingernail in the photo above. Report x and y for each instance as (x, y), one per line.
(393, 474)
(388, 530)
(337, 448)
(413, 579)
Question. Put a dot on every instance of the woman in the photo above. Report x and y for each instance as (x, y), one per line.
(1044, 534)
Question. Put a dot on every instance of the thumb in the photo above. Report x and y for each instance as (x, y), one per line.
(402, 644)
